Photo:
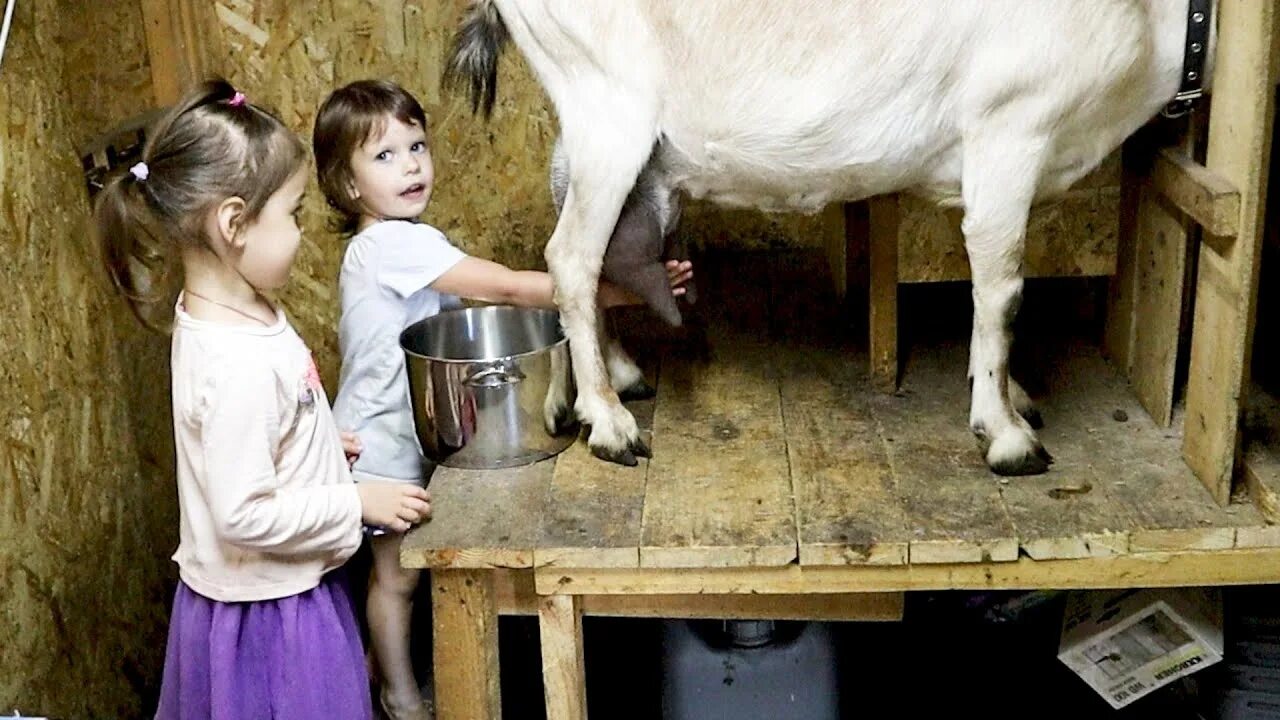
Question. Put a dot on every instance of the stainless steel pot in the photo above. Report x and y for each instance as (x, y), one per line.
(480, 380)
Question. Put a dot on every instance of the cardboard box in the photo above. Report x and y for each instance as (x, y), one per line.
(1126, 644)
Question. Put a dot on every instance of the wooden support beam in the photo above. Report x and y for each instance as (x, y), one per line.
(1251, 566)
(1206, 197)
(1163, 246)
(465, 620)
(1240, 125)
(1121, 323)
(514, 595)
(883, 293)
(177, 33)
(564, 671)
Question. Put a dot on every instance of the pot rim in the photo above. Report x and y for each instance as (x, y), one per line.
(564, 340)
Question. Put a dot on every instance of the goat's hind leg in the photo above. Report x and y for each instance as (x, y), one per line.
(625, 376)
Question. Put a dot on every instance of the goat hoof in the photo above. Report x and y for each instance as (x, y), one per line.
(623, 457)
(558, 419)
(641, 390)
(1023, 404)
(640, 449)
(1031, 462)
(564, 422)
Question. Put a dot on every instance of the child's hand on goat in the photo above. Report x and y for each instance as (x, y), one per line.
(679, 272)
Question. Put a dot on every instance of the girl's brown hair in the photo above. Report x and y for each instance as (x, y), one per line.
(349, 117)
(211, 146)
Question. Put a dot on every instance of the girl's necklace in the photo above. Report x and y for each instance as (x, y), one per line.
(254, 318)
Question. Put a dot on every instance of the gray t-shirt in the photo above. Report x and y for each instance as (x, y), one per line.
(385, 286)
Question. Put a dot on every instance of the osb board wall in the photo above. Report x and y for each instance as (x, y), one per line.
(85, 531)
(107, 76)
(1074, 235)
(491, 195)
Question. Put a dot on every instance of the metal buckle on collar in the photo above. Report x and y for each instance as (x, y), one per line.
(1182, 103)
(1191, 88)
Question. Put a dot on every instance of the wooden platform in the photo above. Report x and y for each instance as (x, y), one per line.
(782, 486)
(773, 450)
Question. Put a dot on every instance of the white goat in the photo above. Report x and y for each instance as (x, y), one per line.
(788, 105)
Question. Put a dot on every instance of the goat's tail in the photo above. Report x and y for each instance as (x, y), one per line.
(474, 58)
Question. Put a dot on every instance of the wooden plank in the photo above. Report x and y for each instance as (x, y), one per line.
(860, 607)
(481, 518)
(952, 504)
(719, 489)
(564, 672)
(1135, 463)
(847, 509)
(592, 517)
(176, 33)
(1137, 487)
(514, 595)
(513, 592)
(1171, 511)
(882, 241)
(465, 655)
(1262, 453)
(1071, 512)
(1241, 114)
(1258, 536)
(1120, 327)
(847, 505)
(1254, 566)
(1162, 247)
(1208, 198)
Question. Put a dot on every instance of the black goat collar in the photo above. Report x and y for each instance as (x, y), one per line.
(1199, 15)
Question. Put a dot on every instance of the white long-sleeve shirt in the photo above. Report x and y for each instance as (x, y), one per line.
(266, 501)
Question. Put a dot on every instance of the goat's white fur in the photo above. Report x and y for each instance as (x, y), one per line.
(790, 106)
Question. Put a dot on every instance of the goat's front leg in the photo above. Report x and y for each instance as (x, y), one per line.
(1021, 401)
(1000, 176)
(601, 176)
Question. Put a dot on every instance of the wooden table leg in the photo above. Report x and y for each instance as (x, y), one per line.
(563, 671)
(465, 653)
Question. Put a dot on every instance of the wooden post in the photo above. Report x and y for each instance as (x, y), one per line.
(837, 246)
(1118, 340)
(564, 675)
(465, 620)
(1240, 120)
(177, 31)
(1169, 197)
(883, 291)
(1162, 241)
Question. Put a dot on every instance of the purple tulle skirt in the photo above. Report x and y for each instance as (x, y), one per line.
(298, 657)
